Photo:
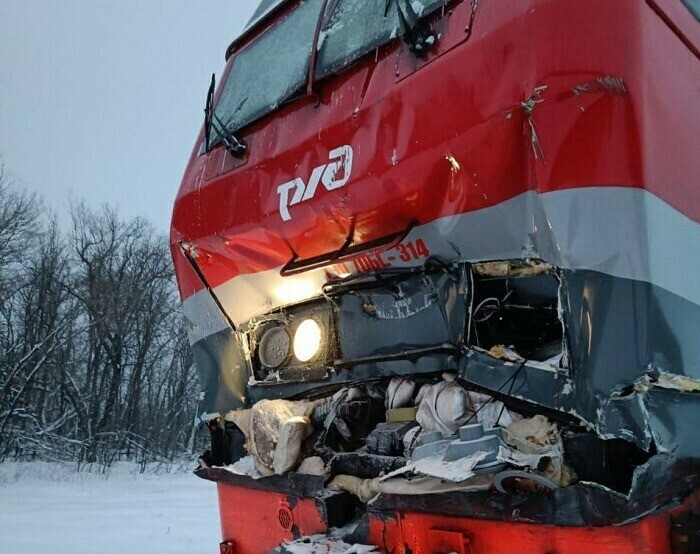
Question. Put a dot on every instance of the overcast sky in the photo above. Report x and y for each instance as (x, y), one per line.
(102, 100)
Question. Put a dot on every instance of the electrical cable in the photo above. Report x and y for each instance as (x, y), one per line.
(499, 389)
(510, 390)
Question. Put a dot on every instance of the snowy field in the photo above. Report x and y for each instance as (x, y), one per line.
(51, 508)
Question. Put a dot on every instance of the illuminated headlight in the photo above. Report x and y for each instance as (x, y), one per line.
(292, 345)
(274, 347)
(308, 339)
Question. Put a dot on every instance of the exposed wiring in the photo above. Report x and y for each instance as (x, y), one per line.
(511, 380)
(482, 304)
(471, 309)
(499, 305)
(510, 390)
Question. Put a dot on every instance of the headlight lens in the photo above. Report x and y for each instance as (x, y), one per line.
(307, 340)
(274, 347)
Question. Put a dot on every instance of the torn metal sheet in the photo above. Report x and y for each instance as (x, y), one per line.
(605, 388)
(583, 504)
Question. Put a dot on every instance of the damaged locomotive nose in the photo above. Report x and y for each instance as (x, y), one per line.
(448, 301)
(463, 382)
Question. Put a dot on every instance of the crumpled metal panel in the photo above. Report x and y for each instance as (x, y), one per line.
(426, 311)
(619, 332)
(398, 326)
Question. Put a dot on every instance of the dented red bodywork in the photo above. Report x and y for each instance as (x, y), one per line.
(464, 100)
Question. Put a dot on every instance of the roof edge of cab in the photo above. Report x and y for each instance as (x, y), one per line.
(266, 10)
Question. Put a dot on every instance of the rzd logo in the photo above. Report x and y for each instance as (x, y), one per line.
(333, 175)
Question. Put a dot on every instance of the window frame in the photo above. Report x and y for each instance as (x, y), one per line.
(229, 72)
(334, 4)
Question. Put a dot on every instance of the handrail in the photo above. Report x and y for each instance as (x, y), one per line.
(186, 251)
(295, 265)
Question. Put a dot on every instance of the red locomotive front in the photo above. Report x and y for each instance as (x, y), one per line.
(438, 262)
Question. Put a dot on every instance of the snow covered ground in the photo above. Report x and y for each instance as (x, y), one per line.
(51, 508)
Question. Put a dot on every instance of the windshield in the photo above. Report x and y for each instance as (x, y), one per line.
(274, 67)
(357, 27)
(271, 69)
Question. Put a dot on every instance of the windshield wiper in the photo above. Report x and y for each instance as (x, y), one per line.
(417, 36)
(234, 146)
(208, 112)
(212, 121)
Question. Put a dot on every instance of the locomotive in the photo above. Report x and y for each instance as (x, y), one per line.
(406, 219)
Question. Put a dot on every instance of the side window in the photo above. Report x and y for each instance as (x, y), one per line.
(271, 69)
(357, 27)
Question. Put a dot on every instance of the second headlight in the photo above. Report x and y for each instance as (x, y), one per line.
(308, 340)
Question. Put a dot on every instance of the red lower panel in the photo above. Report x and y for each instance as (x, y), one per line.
(423, 533)
(255, 521)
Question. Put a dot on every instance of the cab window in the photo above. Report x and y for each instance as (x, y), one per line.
(273, 68)
(357, 27)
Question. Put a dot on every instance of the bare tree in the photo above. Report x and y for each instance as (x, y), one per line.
(94, 365)
(19, 214)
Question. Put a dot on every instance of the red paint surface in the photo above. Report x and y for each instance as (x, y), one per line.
(463, 101)
(255, 521)
(251, 523)
(423, 534)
